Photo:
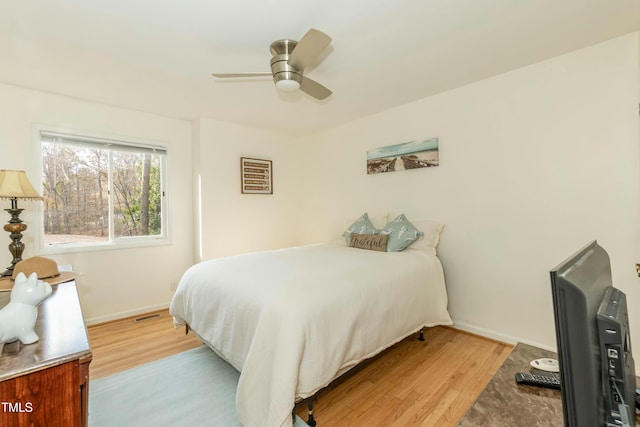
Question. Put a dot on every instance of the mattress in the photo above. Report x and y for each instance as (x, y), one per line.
(293, 320)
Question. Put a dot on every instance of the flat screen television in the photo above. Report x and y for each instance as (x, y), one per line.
(597, 371)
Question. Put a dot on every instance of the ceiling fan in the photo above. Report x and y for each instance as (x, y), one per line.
(289, 61)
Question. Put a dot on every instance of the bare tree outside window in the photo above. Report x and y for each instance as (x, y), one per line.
(95, 194)
(136, 184)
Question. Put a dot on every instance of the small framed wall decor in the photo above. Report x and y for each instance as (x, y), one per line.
(404, 156)
(256, 175)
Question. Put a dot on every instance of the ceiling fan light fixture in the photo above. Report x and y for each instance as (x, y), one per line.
(289, 60)
(287, 85)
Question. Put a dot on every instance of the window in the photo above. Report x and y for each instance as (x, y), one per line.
(101, 191)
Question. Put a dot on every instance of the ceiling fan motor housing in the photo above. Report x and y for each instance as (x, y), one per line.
(286, 77)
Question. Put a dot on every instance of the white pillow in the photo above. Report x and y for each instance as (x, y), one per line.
(379, 220)
(430, 238)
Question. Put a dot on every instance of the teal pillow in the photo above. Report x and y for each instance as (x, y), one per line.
(361, 226)
(401, 234)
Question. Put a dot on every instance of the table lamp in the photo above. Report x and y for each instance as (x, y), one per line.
(15, 185)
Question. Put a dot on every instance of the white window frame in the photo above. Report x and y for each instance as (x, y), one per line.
(95, 138)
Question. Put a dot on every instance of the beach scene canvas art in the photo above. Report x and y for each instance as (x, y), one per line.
(407, 155)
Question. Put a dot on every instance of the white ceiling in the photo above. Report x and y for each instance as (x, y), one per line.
(158, 55)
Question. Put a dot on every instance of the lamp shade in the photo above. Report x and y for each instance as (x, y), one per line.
(15, 184)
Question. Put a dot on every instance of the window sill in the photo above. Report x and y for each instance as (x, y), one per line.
(107, 246)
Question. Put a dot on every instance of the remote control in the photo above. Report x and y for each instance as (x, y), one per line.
(538, 380)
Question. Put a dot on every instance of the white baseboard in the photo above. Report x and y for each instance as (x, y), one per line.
(505, 338)
(509, 339)
(125, 314)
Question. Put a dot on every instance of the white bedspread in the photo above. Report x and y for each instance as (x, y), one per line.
(292, 320)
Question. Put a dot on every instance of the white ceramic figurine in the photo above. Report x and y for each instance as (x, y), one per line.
(18, 318)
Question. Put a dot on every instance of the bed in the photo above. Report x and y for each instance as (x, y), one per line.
(292, 320)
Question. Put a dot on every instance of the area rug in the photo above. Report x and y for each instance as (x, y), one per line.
(193, 388)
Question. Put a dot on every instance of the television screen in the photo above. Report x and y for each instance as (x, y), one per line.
(593, 393)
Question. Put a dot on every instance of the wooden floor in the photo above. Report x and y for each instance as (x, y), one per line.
(125, 344)
(430, 383)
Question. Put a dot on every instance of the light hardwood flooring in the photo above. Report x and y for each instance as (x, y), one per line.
(414, 383)
(125, 344)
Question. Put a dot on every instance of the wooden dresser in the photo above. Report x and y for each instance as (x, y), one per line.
(46, 383)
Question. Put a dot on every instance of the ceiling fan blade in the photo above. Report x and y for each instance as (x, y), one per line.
(308, 48)
(228, 75)
(313, 88)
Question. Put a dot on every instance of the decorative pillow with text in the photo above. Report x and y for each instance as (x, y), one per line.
(373, 242)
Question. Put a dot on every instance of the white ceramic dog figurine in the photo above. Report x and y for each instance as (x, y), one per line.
(18, 318)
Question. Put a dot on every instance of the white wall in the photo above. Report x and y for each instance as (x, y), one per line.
(230, 222)
(115, 282)
(534, 163)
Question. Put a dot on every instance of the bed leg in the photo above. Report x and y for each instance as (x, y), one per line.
(186, 329)
(421, 336)
(310, 420)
